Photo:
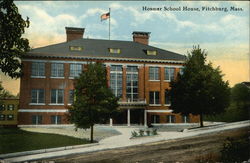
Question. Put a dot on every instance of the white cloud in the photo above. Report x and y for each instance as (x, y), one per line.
(234, 27)
(44, 28)
(115, 6)
(93, 11)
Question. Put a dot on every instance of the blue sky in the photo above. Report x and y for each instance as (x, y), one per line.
(225, 35)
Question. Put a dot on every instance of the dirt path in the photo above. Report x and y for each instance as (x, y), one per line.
(181, 150)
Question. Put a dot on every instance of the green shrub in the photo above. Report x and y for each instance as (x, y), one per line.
(154, 132)
(141, 132)
(148, 132)
(235, 150)
(134, 134)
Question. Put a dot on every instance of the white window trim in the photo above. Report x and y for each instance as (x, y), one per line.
(154, 80)
(155, 73)
(74, 64)
(185, 119)
(116, 77)
(154, 104)
(159, 111)
(57, 70)
(38, 70)
(167, 104)
(72, 78)
(154, 119)
(131, 72)
(53, 104)
(56, 97)
(54, 77)
(43, 110)
(37, 94)
(169, 73)
(36, 103)
(56, 119)
(131, 85)
(42, 77)
(154, 99)
(169, 119)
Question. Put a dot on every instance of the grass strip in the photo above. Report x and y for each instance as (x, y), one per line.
(16, 140)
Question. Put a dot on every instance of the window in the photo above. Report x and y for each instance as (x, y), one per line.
(2, 117)
(10, 107)
(57, 70)
(116, 80)
(75, 70)
(38, 69)
(10, 117)
(169, 73)
(75, 48)
(181, 71)
(2, 107)
(185, 119)
(167, 97)
(170, 119)
(115, 50)
(57, 96)
(155, 119)
(55, 119)
(154, 98)
(37, 119)
(37, 96)
(154, 73)
(71, 96)
(151, 52)
(132, 83)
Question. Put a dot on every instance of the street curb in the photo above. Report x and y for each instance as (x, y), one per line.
(17, 154)
(247, 122)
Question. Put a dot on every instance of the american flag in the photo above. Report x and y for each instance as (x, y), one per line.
(105, 16)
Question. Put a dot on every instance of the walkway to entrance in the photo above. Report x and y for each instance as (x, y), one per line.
(135, 111)
(124, 140)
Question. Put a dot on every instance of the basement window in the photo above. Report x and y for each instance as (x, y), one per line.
(151, 52)
(115, 50)
(75, 48)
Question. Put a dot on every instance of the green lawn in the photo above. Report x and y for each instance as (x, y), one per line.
(16, 140)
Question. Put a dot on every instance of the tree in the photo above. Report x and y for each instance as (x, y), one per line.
(94, 102)
(240, 102)
(4, 93)
(240, 94)
(12, 45)
(200, 89)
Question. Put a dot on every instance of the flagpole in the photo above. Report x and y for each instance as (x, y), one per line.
(109, 22)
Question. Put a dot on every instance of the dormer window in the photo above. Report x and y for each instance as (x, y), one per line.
(151, 52)
(75, 48)
(115, 50)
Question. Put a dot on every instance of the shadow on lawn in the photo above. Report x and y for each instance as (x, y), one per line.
(17, 140)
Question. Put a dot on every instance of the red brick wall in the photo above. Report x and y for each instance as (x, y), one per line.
(141, 39)
(26, 118)
(28, 83)
(178, 117)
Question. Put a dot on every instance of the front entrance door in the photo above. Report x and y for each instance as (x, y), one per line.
(137, 116)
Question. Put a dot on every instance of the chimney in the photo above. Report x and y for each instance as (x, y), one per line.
(74, 33)
(141, 37)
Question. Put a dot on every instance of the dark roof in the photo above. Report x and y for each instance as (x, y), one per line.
(97, 48)
(75, 29)
(140, 33)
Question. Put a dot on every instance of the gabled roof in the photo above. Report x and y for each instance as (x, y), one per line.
(95, 48)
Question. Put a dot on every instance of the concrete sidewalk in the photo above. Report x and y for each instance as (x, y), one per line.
(124, 140)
